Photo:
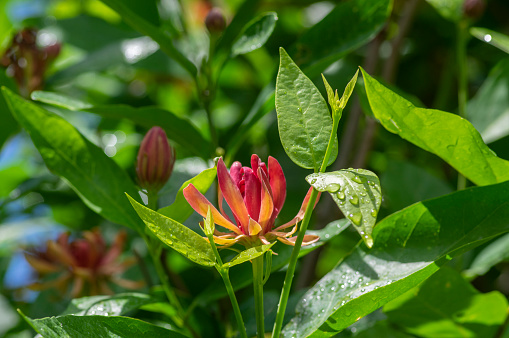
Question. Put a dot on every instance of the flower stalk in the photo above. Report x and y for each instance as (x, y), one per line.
(258, 295)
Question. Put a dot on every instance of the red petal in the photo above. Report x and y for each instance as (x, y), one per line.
(201, 205)
(232, 195)
(278, 185)
(267, 205)
(255, 162)
(252, 196)
(235, 172)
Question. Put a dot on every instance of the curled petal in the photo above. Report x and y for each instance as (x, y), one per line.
(232, 195)
(201, 205)
(252, 194)
(308, 239)
(264, 240)
(236, 172)
(267, 205)
(254, 228)
(277, 184)
(226, 241)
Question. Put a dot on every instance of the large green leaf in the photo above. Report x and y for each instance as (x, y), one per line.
(446, 135)
(97, 326)
(179, 129)
(303, 118)
(176, 235)
(241, 276)
(494, 253)
(95, 177)
(446, 305)
(255, 34)
(357, 193)
(116, 305)
(499, 40)
(347, 27)
(488, 110)
(180, 210)
(410, 246)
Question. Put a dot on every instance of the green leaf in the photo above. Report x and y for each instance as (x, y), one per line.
(115, 305)
(180, 210)
(410, 246)
(449, 9)
(330, 93)
(176, 235)
(488, 110)
(97, 326)
(494, 253)
(348, 91)
(241, 275)
(249, 254)
(208, 225)
(12, 176)
(178, 129)
(347, 27)
(446, 135)
(499, 40)
(132, 17)
(95, 177)
(446, 305)
(255, 34)
(357, 193)
(303, 118)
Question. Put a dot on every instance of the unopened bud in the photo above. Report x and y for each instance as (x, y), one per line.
(215, 21)
(473, 9)
(155, 160)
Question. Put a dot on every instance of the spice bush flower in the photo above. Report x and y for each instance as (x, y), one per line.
(255, 196)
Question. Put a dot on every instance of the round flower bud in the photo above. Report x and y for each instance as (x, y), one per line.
(155, 160)
(215, 21)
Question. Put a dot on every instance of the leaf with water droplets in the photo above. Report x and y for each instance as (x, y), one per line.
(497, 39)
(249, 254)
(361, 190)
(176, 235)
(304, 121)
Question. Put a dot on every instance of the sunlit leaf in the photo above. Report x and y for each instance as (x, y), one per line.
(499, 40)
(176, 235)
(357, 193)
(446, 135)
(95, 177)
(249, 254)
(410, 246)
(496, 252)
(303, 118)
(116, 305)
(180, 210)
(446, 305)
(255, 34)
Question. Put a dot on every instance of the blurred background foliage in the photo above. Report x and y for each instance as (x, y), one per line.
(103, 61)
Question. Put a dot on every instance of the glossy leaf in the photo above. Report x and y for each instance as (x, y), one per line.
(97, 326)
(347, 27)
(95, 177)
(496, 252)
(410, 246)
(446, 305)
(451, 10)
(176, 235)
(446, 135)
(249, 254)
(179, 129)
(488, 110)
(241, 275)
(116, 305)
(303, 118)
(499, 40)
(180, 210)
(348, 91)
(357, 193)
(255, 34)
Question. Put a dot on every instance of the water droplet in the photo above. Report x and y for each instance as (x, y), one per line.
(362, 290)
(299, 109)
(304, 300)
(355, 218)
(342, 286)
(368, 240)
(360, 280)
(333, 187)
(313, 181)
(359, 179)
(373, 212)
(333, 288)
(354, 200)
(341, 195)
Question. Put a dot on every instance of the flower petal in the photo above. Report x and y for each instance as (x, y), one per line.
(232, 195)
(267, 205)
(252, 193)
(201, 205)
(41, 265)
(254, 228)
(235, 172)
(300, 214)
(308, 239)
(277, 184)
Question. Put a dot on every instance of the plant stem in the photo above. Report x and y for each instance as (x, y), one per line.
(258, 295)
(229, 288)
(461, 54)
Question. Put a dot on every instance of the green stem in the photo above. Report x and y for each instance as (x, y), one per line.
(258, 295)
(229, 288)
(283, 301)
(461, 54)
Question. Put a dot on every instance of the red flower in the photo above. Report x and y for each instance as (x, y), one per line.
(255, 195)
(85, 263)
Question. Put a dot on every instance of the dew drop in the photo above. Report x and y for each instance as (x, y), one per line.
(333, 187)
(355, 218)
(341, 195)
(373, 213)
(342, 286)
(358, 179)
(299, 109)
(363, 290)
(354, 200)
(313, 181)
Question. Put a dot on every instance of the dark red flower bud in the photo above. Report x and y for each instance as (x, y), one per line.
(155, 160)
(474, 9)
(215, 21)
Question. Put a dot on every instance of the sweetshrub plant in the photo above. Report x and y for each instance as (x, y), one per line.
(395, 256)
